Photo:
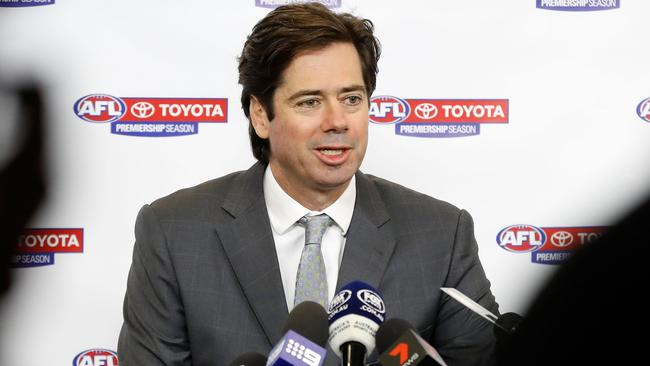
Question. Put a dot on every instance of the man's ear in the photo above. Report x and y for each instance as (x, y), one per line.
(259, 118)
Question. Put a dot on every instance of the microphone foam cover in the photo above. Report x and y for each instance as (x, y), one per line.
(309, 319)
(389, 332)
(355, 314)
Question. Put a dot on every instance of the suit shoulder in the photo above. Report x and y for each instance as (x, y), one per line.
(195, 201)
(403, 199)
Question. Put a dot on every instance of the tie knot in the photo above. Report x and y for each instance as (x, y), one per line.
(315, 227)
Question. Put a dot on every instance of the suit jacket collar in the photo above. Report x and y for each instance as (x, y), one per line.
(246, 190)
(248, 242)
(370, 242)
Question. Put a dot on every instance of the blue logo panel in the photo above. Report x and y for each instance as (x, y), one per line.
(578, 5)
(437, 129)
(155, 129)
(25, 260)
(24, 3)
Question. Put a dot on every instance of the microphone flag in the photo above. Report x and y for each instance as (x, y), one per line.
(294, 349)
(410, 350)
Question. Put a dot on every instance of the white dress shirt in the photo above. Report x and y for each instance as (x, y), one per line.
(284, 213)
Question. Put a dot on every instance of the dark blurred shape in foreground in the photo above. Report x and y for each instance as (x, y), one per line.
(593, 310)
(22, 179)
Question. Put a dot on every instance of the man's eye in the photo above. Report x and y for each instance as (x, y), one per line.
(353, 99)
(309, 103)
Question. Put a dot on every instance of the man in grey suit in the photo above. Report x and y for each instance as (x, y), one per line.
(214, 266)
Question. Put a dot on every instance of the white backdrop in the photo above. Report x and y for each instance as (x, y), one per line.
(574, 152)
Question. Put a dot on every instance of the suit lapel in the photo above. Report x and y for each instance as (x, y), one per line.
(248, 243)
(370, 243)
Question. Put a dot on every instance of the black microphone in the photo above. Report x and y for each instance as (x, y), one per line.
(399, 344)
(305, 337)
(506, 325)
(355, 314)
(309, 319)
(249, 359)
(505, 328)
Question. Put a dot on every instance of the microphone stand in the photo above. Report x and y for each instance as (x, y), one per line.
(353, 354)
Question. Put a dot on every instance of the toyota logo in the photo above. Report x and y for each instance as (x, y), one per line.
(426, 111)
(561, 239)
(142, 109)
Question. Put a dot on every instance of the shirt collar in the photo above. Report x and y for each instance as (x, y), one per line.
(284, 211)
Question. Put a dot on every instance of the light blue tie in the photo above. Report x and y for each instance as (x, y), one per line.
(311, 281)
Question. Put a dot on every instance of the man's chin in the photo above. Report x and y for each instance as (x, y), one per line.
(333, 181)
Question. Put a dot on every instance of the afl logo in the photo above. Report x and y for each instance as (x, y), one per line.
(99, 108)
(385, 109)
(341, 298)
(643, 110)
(96, 357)
(521, 238)
(371, 299)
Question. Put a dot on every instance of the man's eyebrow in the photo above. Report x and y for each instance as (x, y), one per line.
(345, 89)
(353, 88)
(302, 93)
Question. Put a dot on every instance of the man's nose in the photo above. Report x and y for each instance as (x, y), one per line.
(334, 118)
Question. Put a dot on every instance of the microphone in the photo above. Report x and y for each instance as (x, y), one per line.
(305, 337)
(505, 328)
(355, 314)
(399, 345)
(249, 359)
(506, 325)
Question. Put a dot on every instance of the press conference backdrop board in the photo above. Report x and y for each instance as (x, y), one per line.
(532, 115)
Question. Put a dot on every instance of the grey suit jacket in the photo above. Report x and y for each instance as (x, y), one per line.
(205, 286)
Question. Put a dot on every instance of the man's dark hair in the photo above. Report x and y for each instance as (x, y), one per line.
(284, 33)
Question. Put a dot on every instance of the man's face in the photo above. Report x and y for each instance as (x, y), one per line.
(319, 134)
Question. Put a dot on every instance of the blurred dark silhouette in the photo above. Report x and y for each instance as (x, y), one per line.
(592, 310)
(22, 179)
